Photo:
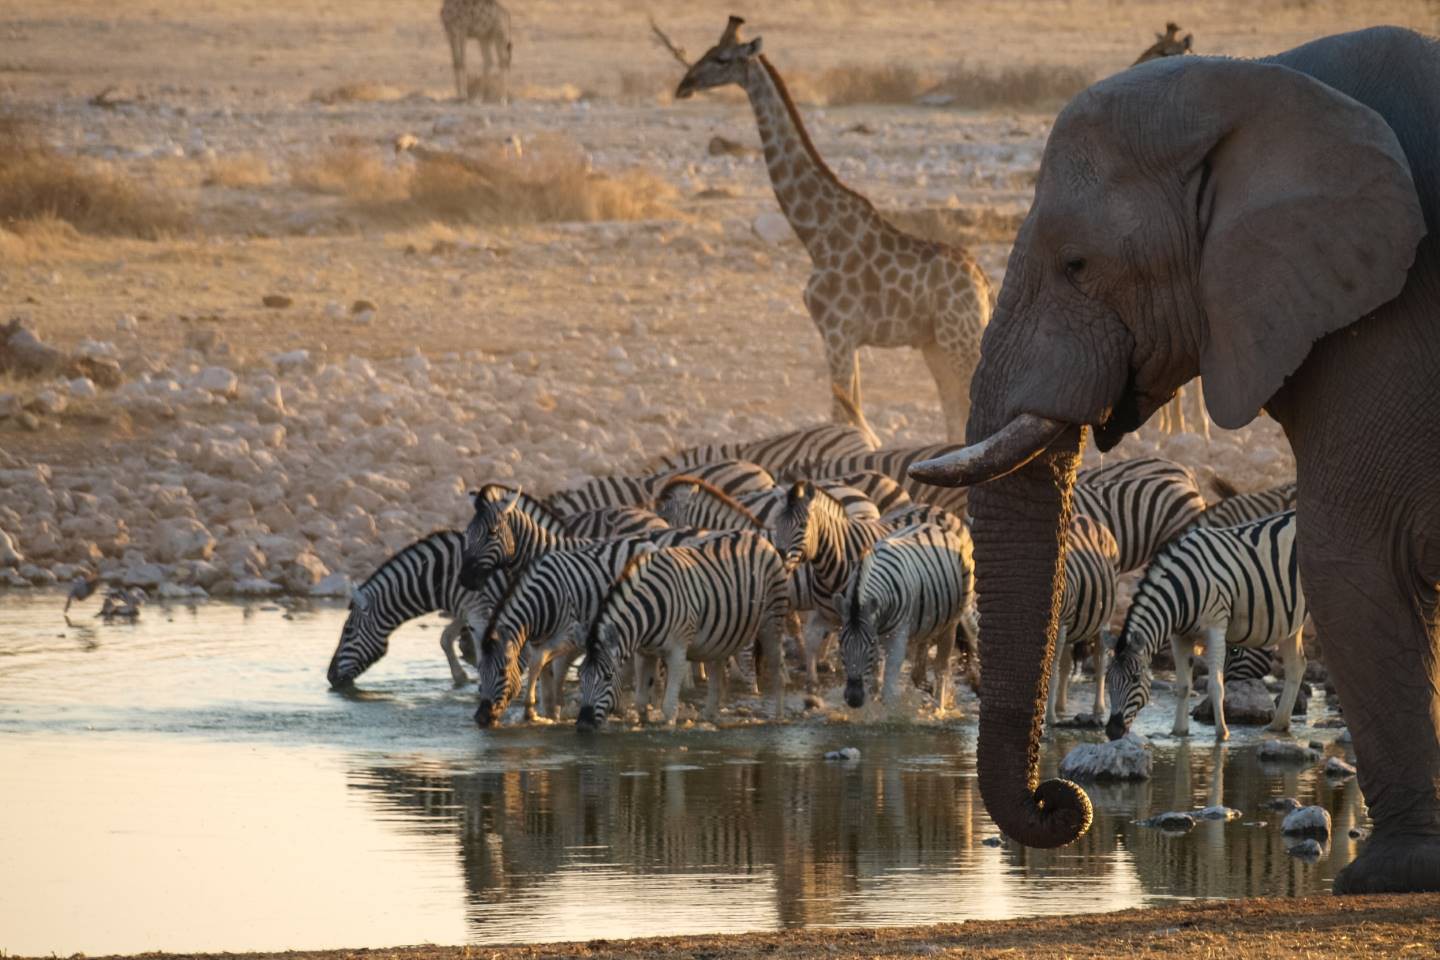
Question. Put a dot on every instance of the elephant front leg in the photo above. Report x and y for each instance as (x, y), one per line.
(1181, 648)
(1215, 659)
(1292, 654)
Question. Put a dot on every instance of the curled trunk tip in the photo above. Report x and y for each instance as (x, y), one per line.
(1064, 813)
(1014, 445)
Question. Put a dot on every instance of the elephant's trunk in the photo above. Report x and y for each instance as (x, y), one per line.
(1018, 529)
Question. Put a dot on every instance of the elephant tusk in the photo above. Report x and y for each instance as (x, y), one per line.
(1016, 444)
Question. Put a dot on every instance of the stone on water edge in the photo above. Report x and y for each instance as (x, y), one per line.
(256, 587)
(1128, 758)
(1287, 751)
(183, 538)
(844, 753)
(1246, 702)
(1217, 812)
(1307, 821)
(1335, 767)
(1284, 804)
(1170, 822)
(1309, 850)
(219, 381)
(10, 555)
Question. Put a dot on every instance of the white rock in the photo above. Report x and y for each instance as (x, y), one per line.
(219, 381)
(143, 574)
(10, 556)
(334, 585)
(1128, 758)
(1335, 767)
(772, 227)
(10, 405)
(126, 323)
(1308, 849)
(1310, 821)
(1287, 751)
(1246, 702)
(182, 538)
(1217, 812)
(49, 403)
(82, 388)
(291, 360)
(256, 587)
(844, 753)
(1171, 822)
(304, 573)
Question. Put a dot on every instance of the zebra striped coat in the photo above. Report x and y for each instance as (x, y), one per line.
(509, 528)
(421, 578)
(1143, 508)
(704, 602)
(1223, 586)
(895, 464)
(912, 589)
(613, 522)
(548, 609)
(1241, 508)
(735, 477)
(823, 443)
(1085, 607)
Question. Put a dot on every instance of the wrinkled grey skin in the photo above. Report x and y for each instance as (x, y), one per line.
(1258, 224)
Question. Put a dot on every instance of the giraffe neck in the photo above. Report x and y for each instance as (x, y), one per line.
(812, 198)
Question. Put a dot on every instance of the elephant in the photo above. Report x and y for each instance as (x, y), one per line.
(1267, 226)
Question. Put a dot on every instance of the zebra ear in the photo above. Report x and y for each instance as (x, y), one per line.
(512, 500)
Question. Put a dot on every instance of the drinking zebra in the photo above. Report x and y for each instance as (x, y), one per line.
(704, 602)
(823, 443)
(912, 589)
(1085, 607)
(422, 578)
(1216, 586)
(1237, 508)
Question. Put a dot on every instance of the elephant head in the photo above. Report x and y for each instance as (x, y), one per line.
(1191, 216)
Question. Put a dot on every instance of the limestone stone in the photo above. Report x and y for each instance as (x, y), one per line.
(1246, 702)
(183, 538)
(302, 574)
(10, 555)
(1286, 751)
(1307, 821)
(1128, 758)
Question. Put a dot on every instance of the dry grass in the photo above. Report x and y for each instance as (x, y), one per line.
(37, 183)
(551, 181)
(890, 83)
(358, 93)
(1038, 85)
(239, 170)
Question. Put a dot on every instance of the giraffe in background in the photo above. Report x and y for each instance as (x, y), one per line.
(489, 24)
(872, 284)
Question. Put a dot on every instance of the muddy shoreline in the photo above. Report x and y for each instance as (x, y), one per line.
(1312, 927)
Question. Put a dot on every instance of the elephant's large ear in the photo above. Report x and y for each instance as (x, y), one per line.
(1309, 220)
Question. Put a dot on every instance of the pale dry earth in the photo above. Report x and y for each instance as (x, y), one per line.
(1314, 928)
(535, 352)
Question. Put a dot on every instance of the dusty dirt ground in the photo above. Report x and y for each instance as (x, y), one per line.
(1312, 927)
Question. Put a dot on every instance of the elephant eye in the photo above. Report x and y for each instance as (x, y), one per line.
(1074, 267)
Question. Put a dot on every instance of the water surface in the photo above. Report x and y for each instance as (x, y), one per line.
(189, 783)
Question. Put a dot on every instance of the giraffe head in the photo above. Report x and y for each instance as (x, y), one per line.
(726, 62)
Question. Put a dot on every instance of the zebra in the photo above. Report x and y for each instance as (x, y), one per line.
(704, 602)
(690, 502)
(733, 476)
(828, 441)
(1235, 508)
(912, 588)
(613, 522)
(1144, 510)
(1126, 469)
(893, 463)
(1216, 586)
(1086, 605)
(548, 608)
(508, 530)
(924, 513)
(421, 578)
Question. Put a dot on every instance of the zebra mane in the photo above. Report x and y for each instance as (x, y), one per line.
(640, 558)
(1223, 488)
(429, 540)
(710, 490)
(1144, 587)
(857, 582)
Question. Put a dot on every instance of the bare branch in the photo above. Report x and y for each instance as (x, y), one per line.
(675, 51)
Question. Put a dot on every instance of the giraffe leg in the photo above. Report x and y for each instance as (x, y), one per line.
(487, 60)
(954, 387)
(842, 356)
(1199, 409)
(457, 60)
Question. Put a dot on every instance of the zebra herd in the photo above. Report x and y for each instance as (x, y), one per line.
(724, 552)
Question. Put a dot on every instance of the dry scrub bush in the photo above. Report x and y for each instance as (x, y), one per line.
(891, 83)
(352, 172)
(358, 93)
(552, 181)
(238, 170)
(37, 183)
(1028, 85)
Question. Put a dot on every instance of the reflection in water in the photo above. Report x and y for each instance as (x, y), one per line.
(164, 772)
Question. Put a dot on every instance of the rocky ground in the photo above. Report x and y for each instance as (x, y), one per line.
(1312, 927)
(323, 342)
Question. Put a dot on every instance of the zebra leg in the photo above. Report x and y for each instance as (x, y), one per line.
(645, 667)
(817, 633)
(920, 664)
(457, 60)
(1064, 667)
(895, 647)
(772, 647)
(676, 666)
(1182, 649)
(944, 651)
(1059, 665)
(1292, 652)
(1101, 710)
(538, 662)
(1215, 656)
(719, 674)
(448, 638)
(559, 669)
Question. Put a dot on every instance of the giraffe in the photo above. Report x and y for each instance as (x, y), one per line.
(1167, 44)
(489, 24)
(872, 284)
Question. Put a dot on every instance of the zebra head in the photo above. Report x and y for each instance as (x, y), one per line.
(858, 639)
(499, 667)
(363, 640)
(675, 503)
(489, 538)
(597, 676)
(796, 536)
(1128, 680)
